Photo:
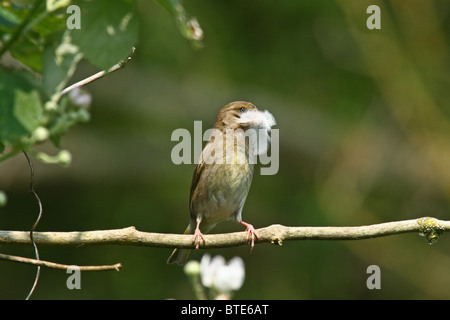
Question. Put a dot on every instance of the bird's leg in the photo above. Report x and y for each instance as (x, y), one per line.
(198, 235)
(250, 232)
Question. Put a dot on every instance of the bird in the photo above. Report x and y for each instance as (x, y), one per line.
(222, 178)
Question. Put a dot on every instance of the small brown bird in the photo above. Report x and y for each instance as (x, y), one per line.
(223, 176)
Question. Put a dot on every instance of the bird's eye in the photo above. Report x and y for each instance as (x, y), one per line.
(242, 110)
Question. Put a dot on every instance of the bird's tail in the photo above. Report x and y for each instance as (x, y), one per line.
(179, 256)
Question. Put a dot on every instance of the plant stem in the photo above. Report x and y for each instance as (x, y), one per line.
(21, 27)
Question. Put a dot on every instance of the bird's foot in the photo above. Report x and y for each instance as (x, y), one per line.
(197, 236)
(251, 233)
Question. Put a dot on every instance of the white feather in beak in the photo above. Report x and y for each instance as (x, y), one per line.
(260, 123)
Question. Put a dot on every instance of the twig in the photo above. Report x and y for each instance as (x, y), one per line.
(58, 266)
(97, 76)
(429, 227)
(36, 251)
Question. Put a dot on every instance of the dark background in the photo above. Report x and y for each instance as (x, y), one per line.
(363, 117)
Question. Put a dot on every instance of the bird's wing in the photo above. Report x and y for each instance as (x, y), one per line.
(195, 179)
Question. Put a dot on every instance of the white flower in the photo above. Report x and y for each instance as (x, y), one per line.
(216, 273)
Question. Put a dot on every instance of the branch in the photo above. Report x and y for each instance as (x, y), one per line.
(97, 76)
(429, 227)
(59, 266)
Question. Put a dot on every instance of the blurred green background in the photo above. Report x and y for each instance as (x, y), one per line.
(364, 122)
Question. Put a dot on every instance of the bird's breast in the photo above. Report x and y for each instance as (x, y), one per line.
(225, 191)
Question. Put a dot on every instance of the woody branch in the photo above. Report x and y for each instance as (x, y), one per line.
(427, 226)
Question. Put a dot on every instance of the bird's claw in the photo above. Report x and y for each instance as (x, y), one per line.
(197, 236)
(251, 233)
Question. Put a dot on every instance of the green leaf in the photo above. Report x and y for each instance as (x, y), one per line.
(51, 23)
(109, 30)
(20, 107)
(27, 52)
(20, 39)
(8, 18)
(28, 109)
(10, 128)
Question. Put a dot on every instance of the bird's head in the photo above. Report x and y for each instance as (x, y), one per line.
(243, 115)
(242, 118)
